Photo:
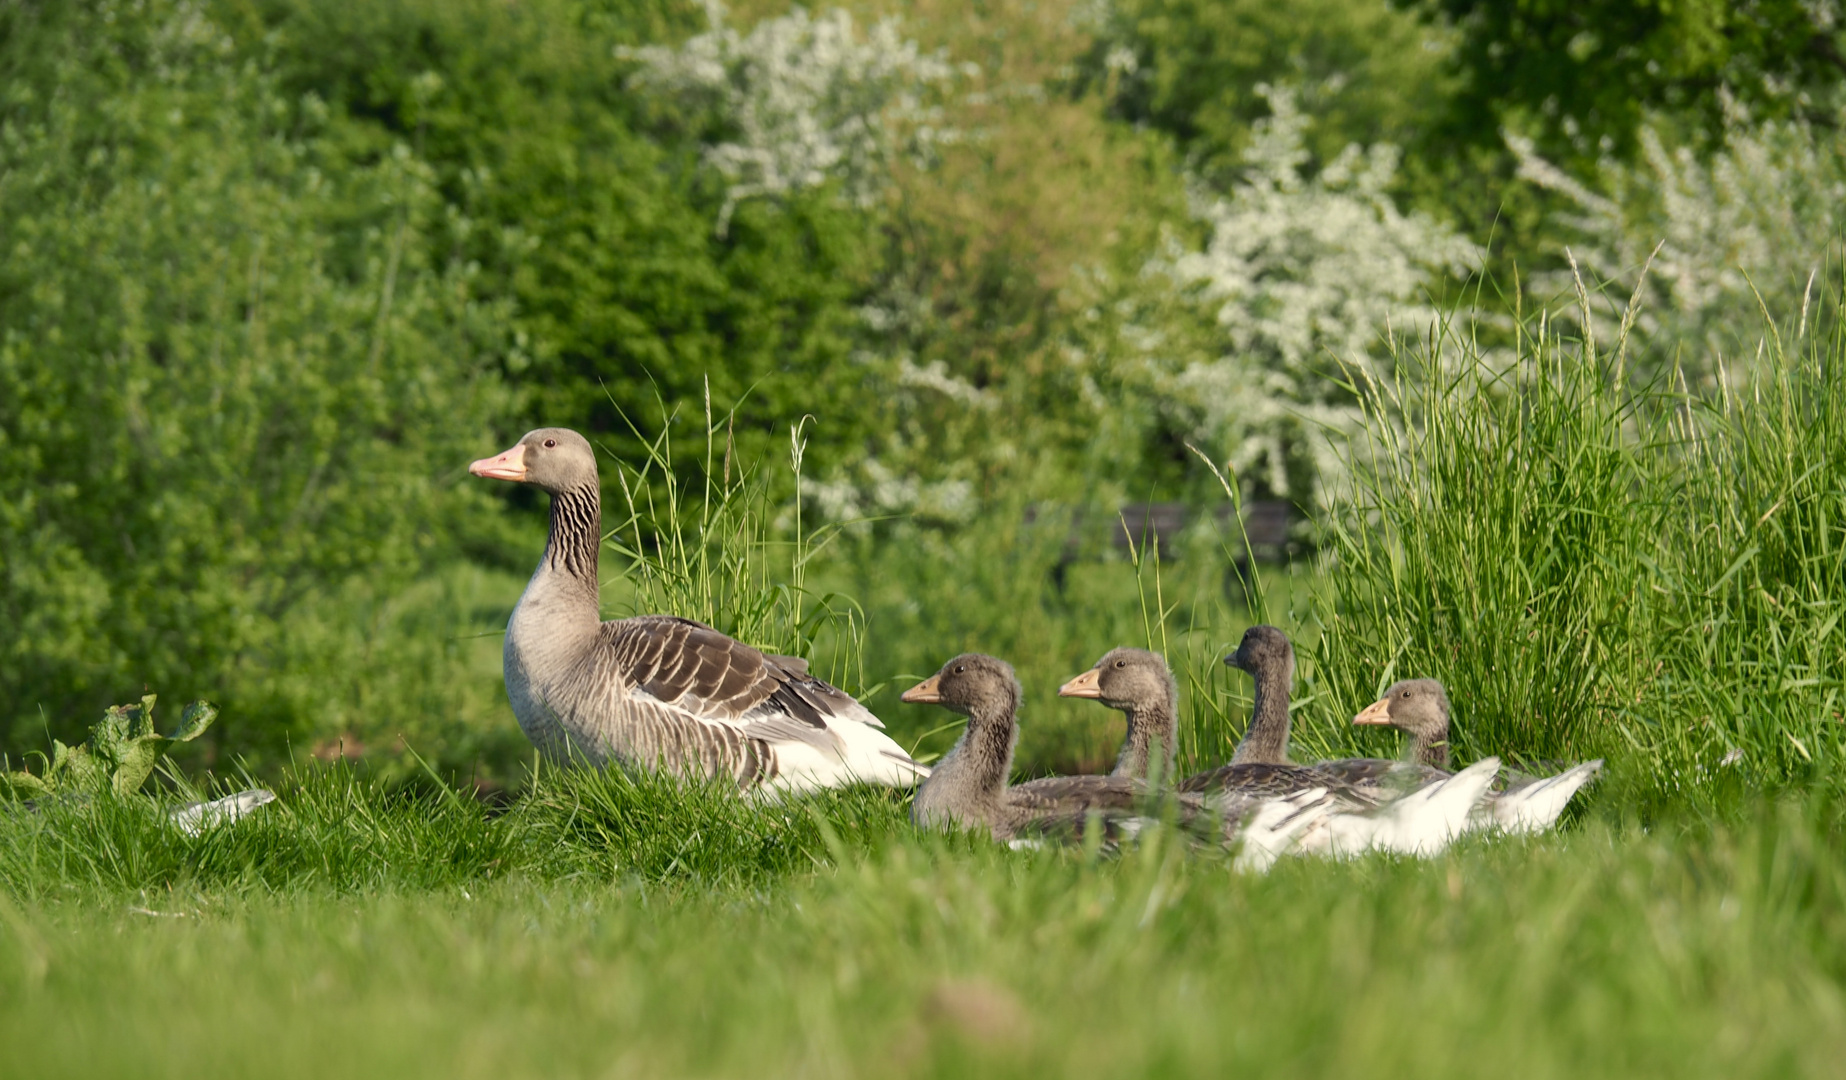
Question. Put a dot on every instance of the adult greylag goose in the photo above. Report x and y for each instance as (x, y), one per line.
(1141, 685)
(968, 787)
(657, 691)
(1525, 804)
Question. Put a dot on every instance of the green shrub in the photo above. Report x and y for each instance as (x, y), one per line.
(238, 375)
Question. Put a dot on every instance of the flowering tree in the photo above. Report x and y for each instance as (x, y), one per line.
(1306, 275)
(800, 100)
(1723, 238)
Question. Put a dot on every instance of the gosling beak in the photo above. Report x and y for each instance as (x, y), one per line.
(1378, 712)
(510, 465)
(1084, 685)
(925, 692)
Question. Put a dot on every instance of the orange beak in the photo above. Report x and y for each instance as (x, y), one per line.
(1085, 685)
(925, 692)
(510, 465)
(1378, 712)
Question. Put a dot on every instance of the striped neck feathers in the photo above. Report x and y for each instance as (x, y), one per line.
(576, 534)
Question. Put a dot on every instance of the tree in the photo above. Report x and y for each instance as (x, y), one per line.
(239, 375)
(1580, 78)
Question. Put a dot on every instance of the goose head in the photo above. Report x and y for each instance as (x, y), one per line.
(1264, 648)
(975, 685)
(555, 459)
(1419, 707)
(1126, 679)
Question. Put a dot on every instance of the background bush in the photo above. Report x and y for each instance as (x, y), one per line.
(278, 268)
(240, 370)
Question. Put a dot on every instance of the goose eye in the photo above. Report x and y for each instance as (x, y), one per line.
(549, 443)
(1405, 694)
(959, 668)
(1121, 663)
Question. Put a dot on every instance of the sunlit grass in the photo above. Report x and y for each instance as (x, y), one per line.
(346, 930)
(1593, 569)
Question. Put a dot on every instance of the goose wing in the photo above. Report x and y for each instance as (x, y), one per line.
(1263, 780)
(694, 670)
(1065, 808)
(1077, 794)
(1385, 776)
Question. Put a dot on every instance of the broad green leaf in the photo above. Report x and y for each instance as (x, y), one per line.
(193, 722)
(136, 761)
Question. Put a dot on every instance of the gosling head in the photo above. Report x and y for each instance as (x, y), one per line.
(1419, 707)
(555, 459)
(1264, 648)
(975, 685)
(1126, 679)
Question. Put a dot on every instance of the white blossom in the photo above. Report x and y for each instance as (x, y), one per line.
(1738, 231)
(1306, 274)
(804, 100)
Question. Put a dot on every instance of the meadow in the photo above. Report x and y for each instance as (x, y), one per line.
(354, 933)
(862, 307)
(1685, 918)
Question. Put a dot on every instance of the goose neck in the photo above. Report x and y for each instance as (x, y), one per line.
(1151, 742)
(1429, 749)
(968, 784)
(576, 534)
(1267, 740)
(992, 734)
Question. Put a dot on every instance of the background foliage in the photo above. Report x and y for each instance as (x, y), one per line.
(277, 269)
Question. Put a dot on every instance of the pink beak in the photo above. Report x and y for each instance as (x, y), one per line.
(510, 465)
(1085, 685)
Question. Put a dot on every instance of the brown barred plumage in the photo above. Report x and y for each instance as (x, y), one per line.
(657, 691)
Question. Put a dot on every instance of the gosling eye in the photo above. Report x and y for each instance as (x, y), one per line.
(1121, 663)
(549, 443)
(959, 668)
(1405, 695)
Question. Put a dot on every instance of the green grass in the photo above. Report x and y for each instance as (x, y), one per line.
(352, 931)
(1599, 568)
(1592, 567)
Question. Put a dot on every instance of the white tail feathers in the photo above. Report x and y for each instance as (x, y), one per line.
(1275, 826)
(1534, 807)
(1421, 823)
(861, 754)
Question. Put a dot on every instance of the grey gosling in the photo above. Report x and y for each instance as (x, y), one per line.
(1141, 685)
(968, 787)
(1525, 804)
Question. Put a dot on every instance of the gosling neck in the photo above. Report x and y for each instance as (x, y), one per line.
(968, 785)
(1430, 748)
(987, 747)
(1153, 728)
(1267, 740)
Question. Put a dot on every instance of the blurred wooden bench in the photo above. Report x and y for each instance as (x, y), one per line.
(1156, 528)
